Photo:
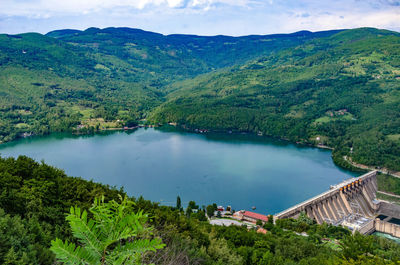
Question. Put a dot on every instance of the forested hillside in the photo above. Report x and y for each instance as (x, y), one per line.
(47, 85)
(35, 197)
(108, 78)
(342, 91)
(181, 55)
(335, 88)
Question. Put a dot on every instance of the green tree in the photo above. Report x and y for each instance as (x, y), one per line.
(354, 246)
(210, 210)
(189, 211)
(178, 203)
(115, 235)
(193, 205)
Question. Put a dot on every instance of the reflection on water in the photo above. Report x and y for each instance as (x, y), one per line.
(237, 170)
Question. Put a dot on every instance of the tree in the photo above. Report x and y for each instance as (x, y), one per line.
(193, 205)
(178, 203)
(131, 123)
(210, 210)
(115, 235)
(271, 219)
(200, 215)
(353, 246)
(189, 211)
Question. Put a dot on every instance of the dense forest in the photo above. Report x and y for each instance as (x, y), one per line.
(334, 88)
(35, 198)
(97, 79)
(341, 91)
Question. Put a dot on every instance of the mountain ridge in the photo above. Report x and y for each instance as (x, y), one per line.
(56, 33)
(283, 85)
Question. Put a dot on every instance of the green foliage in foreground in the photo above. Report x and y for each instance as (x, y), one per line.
(34, 198)
(111, 237)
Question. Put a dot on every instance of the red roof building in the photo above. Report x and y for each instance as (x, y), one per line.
(250, 216)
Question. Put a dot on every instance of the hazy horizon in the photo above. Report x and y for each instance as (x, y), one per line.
(199, 17)
(275, 33)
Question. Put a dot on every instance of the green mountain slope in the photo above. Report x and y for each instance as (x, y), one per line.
(342, 91)
(107, 78)
(49, 85)
(336, 88)
(181, 55)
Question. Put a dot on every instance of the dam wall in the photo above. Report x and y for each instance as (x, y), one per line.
(389, 209)
(351, 204)
(387, 227)
(388, 220)
(352, 201)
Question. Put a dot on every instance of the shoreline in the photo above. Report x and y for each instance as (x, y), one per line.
(365, 167)
(77, 132)
(229, 132)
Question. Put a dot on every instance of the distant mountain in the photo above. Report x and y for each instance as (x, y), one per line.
(338, 88)
(68, 77)
(210, 52)
(342, 91)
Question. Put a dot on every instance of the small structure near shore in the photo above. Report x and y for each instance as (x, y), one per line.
(250, 216)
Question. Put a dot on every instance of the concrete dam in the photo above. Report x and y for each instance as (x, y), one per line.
(351, 204)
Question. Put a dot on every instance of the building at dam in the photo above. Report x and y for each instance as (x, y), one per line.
(351, 204)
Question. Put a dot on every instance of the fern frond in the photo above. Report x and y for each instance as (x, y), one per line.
(86, 232)
(108, 237)
(128, 253)
(69, 254)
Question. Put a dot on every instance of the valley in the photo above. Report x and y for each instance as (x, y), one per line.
(236, 119)
(334, 88)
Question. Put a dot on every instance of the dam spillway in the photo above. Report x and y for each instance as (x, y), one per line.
(352, 204)
(354, 196)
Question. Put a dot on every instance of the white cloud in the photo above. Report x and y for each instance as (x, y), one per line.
(204, 17)
(40, 8)
(386, 19)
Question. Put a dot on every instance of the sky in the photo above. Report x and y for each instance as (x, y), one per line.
(201, 17)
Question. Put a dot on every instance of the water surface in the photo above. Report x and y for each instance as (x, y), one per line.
(238, 170)
(395, 239)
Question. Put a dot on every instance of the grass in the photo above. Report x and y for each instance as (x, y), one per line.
(388, 198)
(101, 67)
(388, 184)
(22, 126)
(24, 112)
(394, 137)
(295, 114)
(102, 123)
(87, 113)
(326, 119)
(332, 245)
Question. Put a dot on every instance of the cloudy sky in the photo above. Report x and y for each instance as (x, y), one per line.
(203, 17)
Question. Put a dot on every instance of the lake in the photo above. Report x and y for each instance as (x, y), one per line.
(228, 169)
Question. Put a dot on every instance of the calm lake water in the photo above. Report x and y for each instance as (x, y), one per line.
(238, 170)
